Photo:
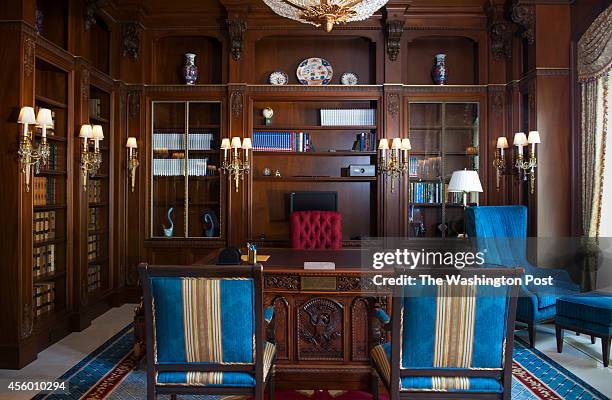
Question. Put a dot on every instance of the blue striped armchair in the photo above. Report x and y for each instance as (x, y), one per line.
(502, 231)
(205, 331)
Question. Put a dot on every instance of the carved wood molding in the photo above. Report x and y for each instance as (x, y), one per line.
(359, 321)
(313, 88)
(287, 282)
(29, 56)
(134, 103)
(236, 26)
(394, 29)
(237, 102)
(84, 83)
(91, 7)
(524, 15)
(320, 329)
(497, 103)
(393, 104)
(130, 39)
(27, 320)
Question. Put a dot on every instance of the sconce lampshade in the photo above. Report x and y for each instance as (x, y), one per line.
(225, 144)
(534, 137)
(396, 144)
(26, 116)
(502, 142)
(383, 144)
(520, 139)
(236, 142)
(44, 118)
(406, 144)
(131, 143)
(85, 131)
(465, 181)
(246, 144)
(97, 132)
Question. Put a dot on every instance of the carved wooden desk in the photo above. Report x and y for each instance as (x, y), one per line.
(322, 318)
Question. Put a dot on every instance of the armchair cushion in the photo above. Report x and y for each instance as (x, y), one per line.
(591, 307)
(316, 230)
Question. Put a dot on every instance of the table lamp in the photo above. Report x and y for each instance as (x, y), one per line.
(464, 181)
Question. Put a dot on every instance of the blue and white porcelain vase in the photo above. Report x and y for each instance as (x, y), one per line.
(439, 73)
(190, 71)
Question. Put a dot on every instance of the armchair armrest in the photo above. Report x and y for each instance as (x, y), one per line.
(382, 316)
(268, 314)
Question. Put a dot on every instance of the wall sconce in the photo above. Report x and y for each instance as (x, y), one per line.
(237, 166)
(499, 162)
(527, 168)
(90, 161)
(30, 156)
(132, 161)
(393, 162)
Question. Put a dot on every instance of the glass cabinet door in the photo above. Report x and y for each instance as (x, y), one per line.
(186, 189)
(445, 138)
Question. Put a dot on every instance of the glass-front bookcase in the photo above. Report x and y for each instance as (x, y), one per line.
(185, 160)
(445, 138)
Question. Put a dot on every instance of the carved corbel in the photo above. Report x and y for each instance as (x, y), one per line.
(500, 31)
(524, 16)
(394, 29)
(236, 26)
(130, 40)
(91, 7)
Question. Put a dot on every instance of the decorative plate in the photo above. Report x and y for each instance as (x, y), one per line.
(349, 78)
(278, 78)
(314, 71)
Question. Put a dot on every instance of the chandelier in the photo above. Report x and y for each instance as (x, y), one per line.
(325, 12)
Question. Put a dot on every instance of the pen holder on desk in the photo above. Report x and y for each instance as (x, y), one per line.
(251, 254)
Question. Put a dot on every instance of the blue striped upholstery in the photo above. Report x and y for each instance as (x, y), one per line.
(502, 231)
(450, 326)
(204, 320)
(591, 311)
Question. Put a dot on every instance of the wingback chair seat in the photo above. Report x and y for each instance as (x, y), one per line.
(444, 337)
(203, 332)
(316, 230)
(502, 232)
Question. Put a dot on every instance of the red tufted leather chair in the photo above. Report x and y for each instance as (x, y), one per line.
(316, 230)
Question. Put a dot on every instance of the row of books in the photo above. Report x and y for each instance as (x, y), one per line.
(176, 141)
(426, 168)
(55, 160)
(282, 141)
(94, 192)
(43, 225)
(43, 190)
(347, 117)
(93, 246)
(176, 167)
(93, 219)
(93, 278)
(365, 141)
(44, 297)
(44, 260)
(95, 108)
(432, 193)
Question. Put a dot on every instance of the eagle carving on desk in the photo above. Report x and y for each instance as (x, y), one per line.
(324, 317)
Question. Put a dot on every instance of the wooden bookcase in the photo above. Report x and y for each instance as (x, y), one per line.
(322, 166)
(445, 137)
(50, 272)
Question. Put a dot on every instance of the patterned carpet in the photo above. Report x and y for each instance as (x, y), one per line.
(113, 372)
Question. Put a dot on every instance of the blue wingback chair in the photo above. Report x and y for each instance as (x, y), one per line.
(205, 331)
(449, 341)
(502, 231)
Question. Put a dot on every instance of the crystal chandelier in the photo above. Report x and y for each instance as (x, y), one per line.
(325, 12)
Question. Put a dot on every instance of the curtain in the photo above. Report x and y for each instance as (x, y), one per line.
(594, 64)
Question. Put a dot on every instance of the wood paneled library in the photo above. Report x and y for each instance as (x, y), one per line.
(306, 199)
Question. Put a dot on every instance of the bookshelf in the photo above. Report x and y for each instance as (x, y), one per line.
(185, 155)
(49, 199)
(311, 143)
(445, 136)
(96, 273)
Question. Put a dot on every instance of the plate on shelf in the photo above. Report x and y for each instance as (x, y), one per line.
(349, 78)
(278, 78)
(314, 71)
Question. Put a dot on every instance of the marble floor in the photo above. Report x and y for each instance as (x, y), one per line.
(579, 356)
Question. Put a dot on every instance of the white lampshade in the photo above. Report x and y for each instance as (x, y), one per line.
(86, 131)
(246, 144)
(44, 118)
(236, 142)
(225, 144)
(383, 144)
(520, 139)
(131, 143)
(502, 142)
(534, 137)
(406, 144)
(465, 181)
(26, 116)
(396, 144)
(97, 132)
